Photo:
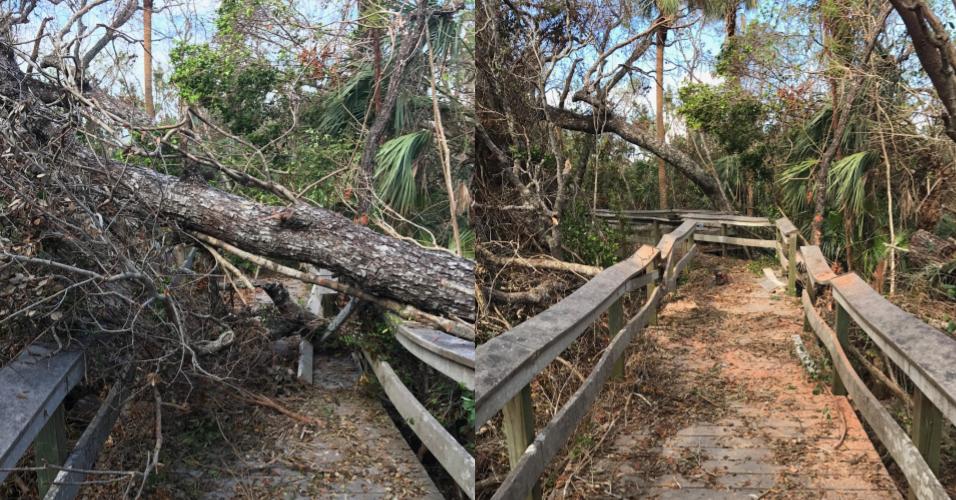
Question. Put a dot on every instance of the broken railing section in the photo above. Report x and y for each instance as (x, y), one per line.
(922, 352)
(32, 389)
(452, 356)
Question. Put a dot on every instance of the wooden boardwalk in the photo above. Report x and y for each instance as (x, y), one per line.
(771, 431)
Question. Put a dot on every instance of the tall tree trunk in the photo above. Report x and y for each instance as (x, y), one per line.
(410, 40)
(148, 57)
(661, 166)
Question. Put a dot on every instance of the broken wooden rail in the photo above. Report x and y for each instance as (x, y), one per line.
(922, 352)
(32, 389)
(449, 355)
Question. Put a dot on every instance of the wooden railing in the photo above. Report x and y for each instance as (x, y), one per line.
(511, 360)
(925, 354)
(453, 357)
(515, 357)
(32, 389)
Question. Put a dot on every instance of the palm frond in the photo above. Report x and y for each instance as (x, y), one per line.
(395, 169)
(347, 104)
(846, 183)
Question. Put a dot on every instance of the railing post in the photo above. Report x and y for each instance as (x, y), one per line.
(615, 321)
(842, 327)
(927, 429)
(792, 264)
(723, 234)
(50, 448)
(649, 291)
(656, 235)
(518, 416)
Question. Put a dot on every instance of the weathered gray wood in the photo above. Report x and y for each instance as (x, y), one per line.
(304, 370)
(516, 356)
(785, 227)
(679, 267)
(453, 457)
(922, 352)
(927, 430)
(67, 483)
(518, 425)
(31, 388)
(723, 234)
(450, 355)
(917, 472)
(669, 240)
(554, 436)
(447, 346)
(738, 220)
(841, 324)
(615, 320)
(643, 280)
(50, 448)
(816, 264)
(733, 240)
(792, 264)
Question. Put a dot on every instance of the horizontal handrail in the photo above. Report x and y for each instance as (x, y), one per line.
(452, 356)
(552, 438)
(522, 352)
(785, 227)
(816, 265)
(513, 363)
(925, 354)
(922, 352)
(901, 448)
(733, 240)
(32, 387)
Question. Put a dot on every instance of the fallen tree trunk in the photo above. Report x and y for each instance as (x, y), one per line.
(609, 122)
(43, 137)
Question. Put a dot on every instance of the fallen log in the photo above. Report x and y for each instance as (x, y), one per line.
(386, 267)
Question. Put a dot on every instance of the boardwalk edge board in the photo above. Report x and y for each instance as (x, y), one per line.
(924, 353)
(453, 457)
(68, 481)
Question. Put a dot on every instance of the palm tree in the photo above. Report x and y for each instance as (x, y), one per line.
(665, 11)
(148, 57)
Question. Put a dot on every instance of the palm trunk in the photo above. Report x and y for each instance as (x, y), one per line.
(661, 170)
(148, 57)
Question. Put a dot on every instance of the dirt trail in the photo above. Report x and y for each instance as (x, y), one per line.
(729, 410)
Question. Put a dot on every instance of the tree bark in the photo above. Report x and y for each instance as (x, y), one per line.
(936, 54)
(411, 37)
(431, 280)
(148, 58)
(610, 122)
